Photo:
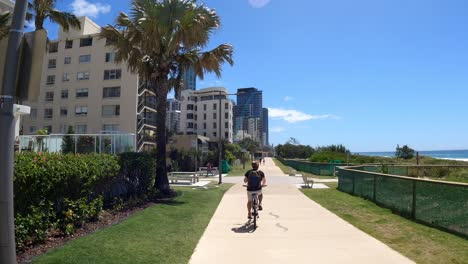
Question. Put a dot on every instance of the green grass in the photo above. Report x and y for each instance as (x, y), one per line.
(286, 170)
(238, 170)
(418, 242)
(163, 233)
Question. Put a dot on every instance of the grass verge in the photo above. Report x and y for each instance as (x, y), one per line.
(286, 170)
(418, 242)
(163, 233)
(238, 170)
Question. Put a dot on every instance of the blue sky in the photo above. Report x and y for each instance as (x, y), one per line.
(364, 73)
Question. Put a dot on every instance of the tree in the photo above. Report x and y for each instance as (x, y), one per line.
(68, 143)
(250, 145)
(45, 9)
(4, 27)
(404, 152)
(41, 133)
(160, 40)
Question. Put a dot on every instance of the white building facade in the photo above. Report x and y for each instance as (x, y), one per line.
(200, 112)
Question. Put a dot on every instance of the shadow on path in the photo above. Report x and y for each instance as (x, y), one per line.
(246, 228)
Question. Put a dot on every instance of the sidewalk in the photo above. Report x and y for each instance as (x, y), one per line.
(292, 229)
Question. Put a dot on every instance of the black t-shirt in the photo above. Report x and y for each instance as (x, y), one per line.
(260, 173)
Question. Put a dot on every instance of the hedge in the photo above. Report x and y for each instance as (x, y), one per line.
(66, 191)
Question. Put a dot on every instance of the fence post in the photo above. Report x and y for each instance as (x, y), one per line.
(375, 189)
(413, 209)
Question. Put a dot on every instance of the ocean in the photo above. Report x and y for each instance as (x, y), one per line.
(439, 154)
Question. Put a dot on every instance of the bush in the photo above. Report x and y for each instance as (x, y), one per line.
(69, 190)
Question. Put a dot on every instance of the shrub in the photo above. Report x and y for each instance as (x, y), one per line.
(69, 190)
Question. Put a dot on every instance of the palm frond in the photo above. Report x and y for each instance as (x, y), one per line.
(4, 27)
(64, 19)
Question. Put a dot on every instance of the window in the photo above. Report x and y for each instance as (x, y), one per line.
(69, 44)
(66, 77)
(81, 129)
(190, 125)
(226, 135)
(52, 64)
(49, 96)
(204, 125)
(110, 110)
(81, 111)
(48, 129)
(67, 60)
(190, 107)
(214, 125)
(226, 106)
(63, 129)
(204, 107)
(64, 94)
(112, 74)
(196, 126)
(82, 93)
(110, 56)
(189, 116)
(214, 134)
(85, 42)
(195, 117)
(48, 113)
(82, 76)
(108, 92)
(63, 111)
(110, 127)
(204, 134)
(85, 59)
(110, 41)
(226, 115)
(204, 116)
(50, 79)
(214, 116)
(32, 129)
(226, 125)
(53, 47)
(33, 113)
(214, 106)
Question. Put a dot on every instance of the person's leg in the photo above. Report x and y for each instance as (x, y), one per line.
(249, 208)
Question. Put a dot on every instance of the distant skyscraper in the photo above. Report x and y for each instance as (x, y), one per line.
(266, 137)
(173, 115)
(189, 79)
(248, 114)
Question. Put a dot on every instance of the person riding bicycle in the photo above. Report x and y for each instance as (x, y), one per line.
(255, 180)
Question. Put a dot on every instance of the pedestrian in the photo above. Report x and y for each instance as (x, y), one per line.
(208, 169)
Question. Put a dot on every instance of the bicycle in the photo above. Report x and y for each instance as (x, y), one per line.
(255, 204)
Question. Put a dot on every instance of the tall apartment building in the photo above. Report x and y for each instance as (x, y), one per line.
(6, 6)
(83, 87)
(173, 115)
(200, 113)
(189, 79)
(249, 115)
(265, 135)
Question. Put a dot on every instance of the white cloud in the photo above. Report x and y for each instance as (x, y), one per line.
(259, 3)
(294, 116)
(287, 98)
(85, 8)
(30, 25)
(277, 129)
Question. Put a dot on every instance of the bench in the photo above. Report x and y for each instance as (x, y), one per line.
(203, 171)
(308, 182)
(188, 176)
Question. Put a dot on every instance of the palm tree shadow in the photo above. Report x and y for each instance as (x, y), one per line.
(245, 228)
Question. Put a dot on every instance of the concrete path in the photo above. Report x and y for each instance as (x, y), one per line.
(292, 229)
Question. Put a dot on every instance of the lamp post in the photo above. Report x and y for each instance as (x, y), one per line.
(7, 132)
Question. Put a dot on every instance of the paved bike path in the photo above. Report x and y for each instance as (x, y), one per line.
(291, 229)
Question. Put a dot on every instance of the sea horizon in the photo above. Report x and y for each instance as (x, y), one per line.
(461, 155)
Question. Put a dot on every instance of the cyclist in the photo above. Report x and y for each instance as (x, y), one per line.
(255, 179)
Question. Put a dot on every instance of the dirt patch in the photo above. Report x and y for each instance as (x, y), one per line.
(57, 239)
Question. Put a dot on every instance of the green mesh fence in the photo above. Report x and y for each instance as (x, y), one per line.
(322, 169)
(439, 204)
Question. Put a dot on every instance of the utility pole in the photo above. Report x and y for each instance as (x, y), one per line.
(7, 134)
(220, 144)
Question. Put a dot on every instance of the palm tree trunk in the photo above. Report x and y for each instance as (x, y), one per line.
(162, 182)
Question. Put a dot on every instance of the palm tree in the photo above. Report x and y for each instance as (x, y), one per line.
(4, 24)
(159, 40)
(43, 9)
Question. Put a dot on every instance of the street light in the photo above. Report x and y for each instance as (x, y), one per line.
(7, 135)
